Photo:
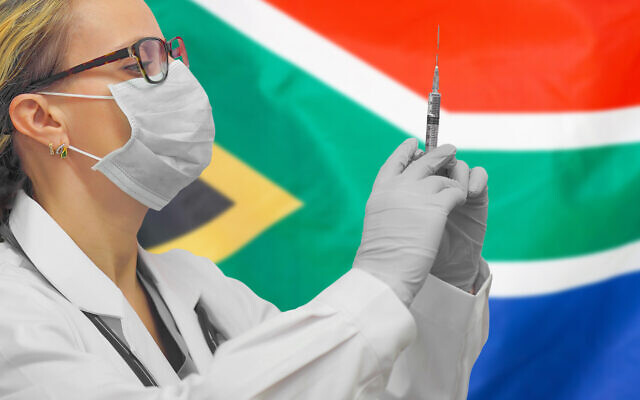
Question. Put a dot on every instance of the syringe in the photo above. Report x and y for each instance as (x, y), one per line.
(433, 110)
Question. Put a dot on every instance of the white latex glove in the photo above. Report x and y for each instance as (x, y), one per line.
(405, 218)
(459, 259)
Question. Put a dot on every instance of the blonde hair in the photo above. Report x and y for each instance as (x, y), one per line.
(32, 47)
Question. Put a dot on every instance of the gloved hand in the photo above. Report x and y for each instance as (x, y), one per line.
(405, 218)
(459, 259)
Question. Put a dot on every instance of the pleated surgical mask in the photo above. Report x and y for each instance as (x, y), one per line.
(172, 134)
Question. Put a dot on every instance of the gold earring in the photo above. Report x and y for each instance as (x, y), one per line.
(51, 151)
(62, 150)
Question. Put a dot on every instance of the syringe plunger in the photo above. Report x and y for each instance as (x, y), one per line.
(433, 111)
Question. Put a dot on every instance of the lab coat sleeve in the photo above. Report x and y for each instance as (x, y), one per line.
(341, 345)
(453, 326)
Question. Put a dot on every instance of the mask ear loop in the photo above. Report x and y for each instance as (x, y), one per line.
(62, 149)
(85, 153)
(62, 152)
(82, 96)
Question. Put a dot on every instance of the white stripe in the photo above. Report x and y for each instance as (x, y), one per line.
(405, 109)
(536, 278)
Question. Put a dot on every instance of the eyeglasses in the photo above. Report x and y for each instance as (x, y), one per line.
(152, 55)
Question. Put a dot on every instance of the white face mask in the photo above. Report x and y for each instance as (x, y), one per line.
(172, 133)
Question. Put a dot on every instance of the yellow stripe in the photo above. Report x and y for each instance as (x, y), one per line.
(258, 204)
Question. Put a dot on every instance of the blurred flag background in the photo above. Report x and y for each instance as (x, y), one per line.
(311, 96)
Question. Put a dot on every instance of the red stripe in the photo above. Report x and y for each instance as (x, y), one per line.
(497, 55)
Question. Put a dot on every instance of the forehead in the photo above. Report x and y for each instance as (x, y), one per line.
(101, 26)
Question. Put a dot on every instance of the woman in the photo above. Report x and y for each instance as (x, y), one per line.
(100, 123)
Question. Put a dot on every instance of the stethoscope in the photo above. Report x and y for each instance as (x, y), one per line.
(212, 336)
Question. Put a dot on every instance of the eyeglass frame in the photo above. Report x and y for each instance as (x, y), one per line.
(125, 52)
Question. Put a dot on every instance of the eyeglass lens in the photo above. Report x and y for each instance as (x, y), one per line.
(153, 58)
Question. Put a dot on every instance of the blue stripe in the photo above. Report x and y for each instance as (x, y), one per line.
(579, 344)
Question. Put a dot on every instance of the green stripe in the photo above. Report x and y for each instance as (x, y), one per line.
(326, 150)
(559, 204)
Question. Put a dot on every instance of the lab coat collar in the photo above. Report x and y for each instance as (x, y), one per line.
(169, 283)
(181, 293)
(59, 259)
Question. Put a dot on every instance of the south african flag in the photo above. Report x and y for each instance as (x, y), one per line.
(311, 96)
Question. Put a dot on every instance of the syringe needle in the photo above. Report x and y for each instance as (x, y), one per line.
(438, 45)
(436, 73)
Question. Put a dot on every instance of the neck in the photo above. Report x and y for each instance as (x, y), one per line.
(107, 234)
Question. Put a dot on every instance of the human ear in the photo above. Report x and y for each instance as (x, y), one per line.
(35, 117)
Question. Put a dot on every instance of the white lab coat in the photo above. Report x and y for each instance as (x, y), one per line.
(350, 342)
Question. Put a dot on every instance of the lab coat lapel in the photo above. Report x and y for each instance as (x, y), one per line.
(144, 346)
(59, 259)
(65, 266)
(181, 299)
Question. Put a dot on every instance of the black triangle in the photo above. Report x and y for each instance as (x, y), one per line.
(194, 206)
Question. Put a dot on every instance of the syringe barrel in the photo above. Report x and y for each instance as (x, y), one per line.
(433, 121)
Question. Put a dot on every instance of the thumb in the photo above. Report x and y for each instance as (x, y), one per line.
(431, 162)
(398, 160)
(452, 196)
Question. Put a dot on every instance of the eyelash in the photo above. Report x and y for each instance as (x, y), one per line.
(134, 67)
(131, 67)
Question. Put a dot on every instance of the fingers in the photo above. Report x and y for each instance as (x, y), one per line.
(460, 173)
(478, 179)
(419, 153)
(398, 160)
(452, 197)
(447, 192)
(431, 162)
(436, 184)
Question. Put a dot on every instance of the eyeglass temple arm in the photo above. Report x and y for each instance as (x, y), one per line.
(96, 62)
(181, 51)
